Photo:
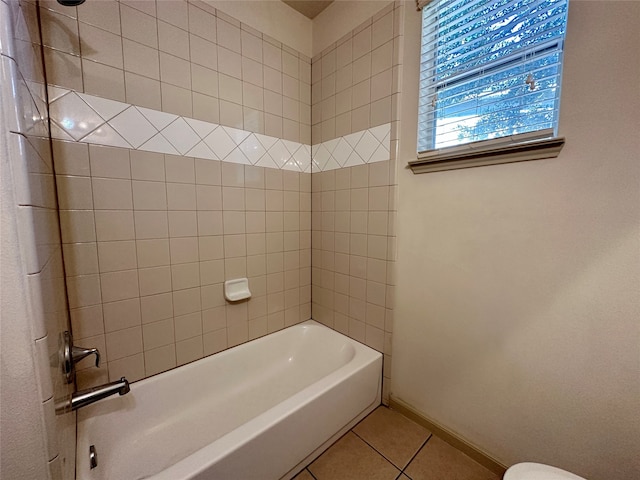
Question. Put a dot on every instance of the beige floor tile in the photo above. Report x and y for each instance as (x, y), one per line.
(438, 460)
(303, 475)
(352, 459)
(393, 435)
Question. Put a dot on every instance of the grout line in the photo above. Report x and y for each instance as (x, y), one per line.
(309, 472)
(377, 451)
(416, 454)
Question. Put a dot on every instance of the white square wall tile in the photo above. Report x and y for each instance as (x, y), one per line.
(291, 165)
(76, 117)
(56, 92)
(332, 164)
(159, 144)
(320, 155)
(157, 119)
(252, 148)
(381, 154)
(381, 131)
(291, 146)
(367, 146)
(266, 161)
(266, 141)
(342, 151)
(181, 135)
(133, 127)
(237, 135)
(331, 144)
(237, 156)
(302, 157)
(353, 160)
(58, 133)
(106, 135)
(201, 128)
(279, 153)
(106, 108)
(353, 138)
(220, 142)
(201, 150)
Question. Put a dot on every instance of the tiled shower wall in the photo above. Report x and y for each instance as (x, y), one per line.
(26, 137)
(356, 87)
(149, 240)
(180, 57)
(150, 237)
(353, 80)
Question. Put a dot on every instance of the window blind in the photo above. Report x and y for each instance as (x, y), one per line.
(489, 69)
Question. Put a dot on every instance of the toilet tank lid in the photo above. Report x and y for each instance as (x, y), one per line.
(538, 471)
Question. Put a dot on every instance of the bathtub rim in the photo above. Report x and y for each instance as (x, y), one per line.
(265, 420)
(227, 444)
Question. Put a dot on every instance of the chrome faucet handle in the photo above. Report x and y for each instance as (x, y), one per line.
(78, 353)
(70, 355)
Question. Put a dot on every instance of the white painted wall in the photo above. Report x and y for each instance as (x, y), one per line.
(518, 299)
(272, 17)
(340, 18)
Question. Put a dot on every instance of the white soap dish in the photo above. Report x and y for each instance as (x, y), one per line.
(236, 290)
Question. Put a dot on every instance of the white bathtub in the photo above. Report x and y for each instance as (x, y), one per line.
(262, 410)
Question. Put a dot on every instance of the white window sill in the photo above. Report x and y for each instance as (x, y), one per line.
(489, 152)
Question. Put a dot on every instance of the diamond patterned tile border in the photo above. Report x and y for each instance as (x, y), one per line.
(366, 146)
(90, 119)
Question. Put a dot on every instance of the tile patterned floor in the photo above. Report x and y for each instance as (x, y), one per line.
(388, 446)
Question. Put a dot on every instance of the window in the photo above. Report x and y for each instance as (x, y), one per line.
(490, 74)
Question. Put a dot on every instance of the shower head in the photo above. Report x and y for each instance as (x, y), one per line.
(70, 3)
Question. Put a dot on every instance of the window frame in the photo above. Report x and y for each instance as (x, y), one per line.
(534, 145)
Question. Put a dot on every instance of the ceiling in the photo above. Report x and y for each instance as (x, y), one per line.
(309, 8)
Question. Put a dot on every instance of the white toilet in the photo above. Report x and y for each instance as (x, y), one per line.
(538, 471)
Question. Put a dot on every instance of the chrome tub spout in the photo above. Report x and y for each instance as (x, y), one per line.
(86, 397)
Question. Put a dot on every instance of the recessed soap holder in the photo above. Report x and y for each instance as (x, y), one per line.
(237, 289)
